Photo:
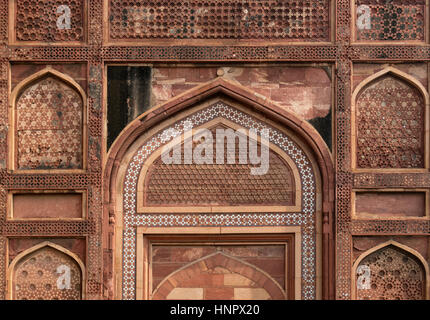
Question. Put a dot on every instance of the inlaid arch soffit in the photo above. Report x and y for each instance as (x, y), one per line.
(27, 252)
(397, 245)
(32, 79)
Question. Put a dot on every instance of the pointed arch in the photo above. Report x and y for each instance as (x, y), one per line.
(16, 94)
(408, 79)
(397, 73)
(222, 260)
(400, 247)
(29, 251)
(195, 101)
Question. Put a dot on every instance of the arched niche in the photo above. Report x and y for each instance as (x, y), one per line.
(219, 271)
(390, 271)
(48, 115)
(46, 271)
(390, 122)
(129, 157)
(217, 187)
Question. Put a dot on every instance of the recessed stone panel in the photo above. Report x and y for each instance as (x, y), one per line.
(300, 20)
(394, 20)
(269, 258)
(390, 204)
(49, 123)
(47, 206)
(390, 125)
(50, 21)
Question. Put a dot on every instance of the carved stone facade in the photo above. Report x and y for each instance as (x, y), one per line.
(390, 125)
(90, 92)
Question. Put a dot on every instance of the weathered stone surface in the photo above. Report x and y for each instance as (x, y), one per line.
(304, 90)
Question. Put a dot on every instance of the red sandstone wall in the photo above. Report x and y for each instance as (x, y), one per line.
(305, 91)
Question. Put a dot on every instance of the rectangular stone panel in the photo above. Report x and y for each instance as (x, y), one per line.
(394, 20)
(301, 20)
(390, 204)
(47, 205)
(49, 21)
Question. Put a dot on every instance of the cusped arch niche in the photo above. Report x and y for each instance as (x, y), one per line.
(48, 115)
(390, 271)
(300, 152)
(46, 272)
(219, 272)
(390, 122)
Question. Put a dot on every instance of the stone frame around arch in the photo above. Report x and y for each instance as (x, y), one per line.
(118, 155)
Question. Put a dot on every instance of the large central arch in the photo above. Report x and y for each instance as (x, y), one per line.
(228, 103)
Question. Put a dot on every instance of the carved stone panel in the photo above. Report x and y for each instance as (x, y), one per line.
(49, 20)
(47, 274)
(301, 20)
(390, 125)
(394, 275)
(391, 20)
(49, 126)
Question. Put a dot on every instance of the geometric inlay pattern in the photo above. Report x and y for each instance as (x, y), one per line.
(38, 276)
(390, 125)
(236, 19)
(305, 219)
(219, 184)
(37, 20)
(394, 20)
(394, 275)
(49, 126)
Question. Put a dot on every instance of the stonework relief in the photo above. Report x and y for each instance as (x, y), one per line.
(393, 274)
(219, 277)
(390, 125)
(50, 20)
(49, 117)
(195, 19)
(219, 184)
(391, 20)
(220, 109)
(47, 274)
